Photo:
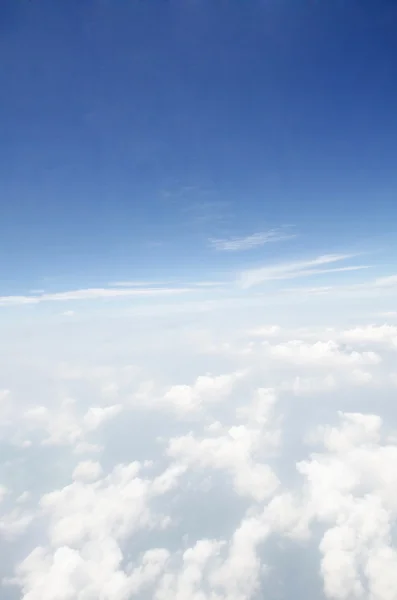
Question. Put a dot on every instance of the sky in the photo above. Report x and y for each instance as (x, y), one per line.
(198, 300)
(135, 132)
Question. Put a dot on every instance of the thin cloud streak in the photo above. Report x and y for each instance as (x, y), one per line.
(90, 294)
(388, 283)
(322, 271)
(138, 284)
(251, 241)
(157, 284)
(296, 269)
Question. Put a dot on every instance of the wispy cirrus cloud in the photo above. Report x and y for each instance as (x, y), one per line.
(235, 244)
(377, 286)
(91, 294)
(292, 270)
(157, 284)
(138, 284)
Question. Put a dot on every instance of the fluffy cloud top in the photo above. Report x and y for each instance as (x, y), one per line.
(205, 472)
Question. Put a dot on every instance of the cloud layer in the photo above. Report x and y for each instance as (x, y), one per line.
(177, 459)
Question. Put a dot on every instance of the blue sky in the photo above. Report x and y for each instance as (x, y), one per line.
(135, 134)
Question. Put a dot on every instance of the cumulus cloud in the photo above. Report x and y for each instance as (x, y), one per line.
(87, 522)
(319, 353)
(206, 389)
(65, 426)
(351, 490)
(386, 334)
(67, 574)
(198, 458)
(87, 470)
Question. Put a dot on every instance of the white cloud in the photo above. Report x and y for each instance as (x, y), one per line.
(239, 575)
(87, 470)
(14, 523)
(321, 354)
(372, 334)
(92, 294)
(209, 284)
(185, 584)
(219, 569)
(254, 240)
(156, 284)
(351, 490)
(67, 574)
(269, 331)
(185, 399)
(88, 522)
(236, 449)
(296, 269)
(231, 452)
(197, 456)
(64, 425)
(114, 506)
(138, 284)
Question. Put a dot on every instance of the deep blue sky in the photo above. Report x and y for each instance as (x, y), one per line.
(131, 131)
